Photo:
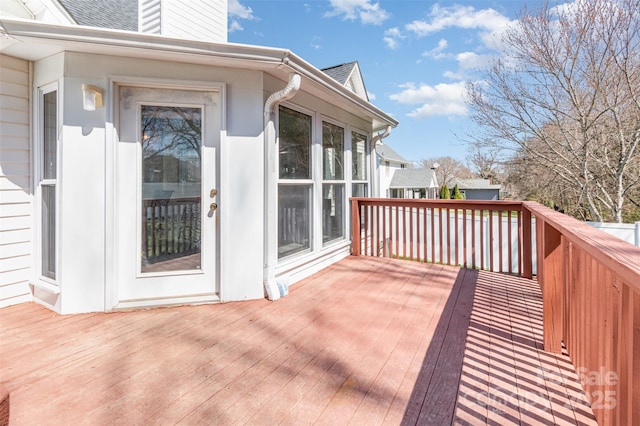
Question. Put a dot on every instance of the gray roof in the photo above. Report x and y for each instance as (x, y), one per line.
(115, 14)
(414, 178)
(341, 72)
(474, 184)
(389, 154)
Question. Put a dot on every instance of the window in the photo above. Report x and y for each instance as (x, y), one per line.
(333, 196)
(316, 174)
(48, 179)
(359, 186)
(295, 185)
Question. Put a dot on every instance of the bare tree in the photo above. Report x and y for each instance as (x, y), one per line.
(567, 97)
(447, 169)
(485, 162)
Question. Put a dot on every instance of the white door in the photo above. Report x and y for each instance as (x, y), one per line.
(166, 195)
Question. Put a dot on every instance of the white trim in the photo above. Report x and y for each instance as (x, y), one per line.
(47, 286)
(168, 301)
(112, 301)
(38, 279)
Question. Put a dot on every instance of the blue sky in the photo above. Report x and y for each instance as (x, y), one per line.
(415, 56)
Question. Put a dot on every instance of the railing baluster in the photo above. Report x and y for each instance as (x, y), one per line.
(510, 243)
(457, 236)
(490, 236)
(473, 238)
(481, 220)
(440, 242)
(464, 236)
(448, 238)
(500, 264)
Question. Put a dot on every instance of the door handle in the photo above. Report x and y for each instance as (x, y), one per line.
(213, 207)
(213, 193)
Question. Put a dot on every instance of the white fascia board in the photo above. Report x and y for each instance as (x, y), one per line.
(33, 40)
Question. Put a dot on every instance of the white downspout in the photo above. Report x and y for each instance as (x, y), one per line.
(271, 185)
(376, 172)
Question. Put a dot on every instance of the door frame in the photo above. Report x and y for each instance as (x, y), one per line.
(112, 103)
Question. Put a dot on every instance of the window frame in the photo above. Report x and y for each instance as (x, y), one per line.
(41, 180)
(316, 184)
(288, 182)
(367, 162)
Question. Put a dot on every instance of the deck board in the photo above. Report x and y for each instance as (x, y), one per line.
(365, 341)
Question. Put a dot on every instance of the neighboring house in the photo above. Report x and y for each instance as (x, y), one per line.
(349, 75)
(143, 169)
(414, 183)
(477, 189)
(387, 162)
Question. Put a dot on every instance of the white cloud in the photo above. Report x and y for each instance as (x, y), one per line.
(458, 16)
(392, 38)
(315, 43)
(372, 96)
(236, 12)
(437, 52)
(235, 26)
(363, 10)
(442, 99)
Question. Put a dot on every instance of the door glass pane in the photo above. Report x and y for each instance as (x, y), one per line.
(332, 212)
(171, 188)
(295, 144)
(294, 213)
(333, 151)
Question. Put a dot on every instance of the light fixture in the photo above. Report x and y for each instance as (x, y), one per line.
(91, 97)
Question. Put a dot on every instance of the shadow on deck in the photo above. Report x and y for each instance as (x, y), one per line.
(365, 341)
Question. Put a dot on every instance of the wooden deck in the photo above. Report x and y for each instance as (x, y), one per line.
(365, 341)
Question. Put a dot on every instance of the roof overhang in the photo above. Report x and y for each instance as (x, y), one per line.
(32, 40)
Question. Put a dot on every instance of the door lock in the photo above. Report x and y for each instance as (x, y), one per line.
(213, 207)
(213, 193)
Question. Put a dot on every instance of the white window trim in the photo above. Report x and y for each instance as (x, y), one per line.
(317, 247)
(38, 279)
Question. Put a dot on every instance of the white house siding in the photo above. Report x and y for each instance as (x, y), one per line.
(195, 19)
(385, 173)
(15, 194)
(85, 160)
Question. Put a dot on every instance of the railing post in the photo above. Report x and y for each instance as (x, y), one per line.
(527, 247)
(355, 228)
(551, 282)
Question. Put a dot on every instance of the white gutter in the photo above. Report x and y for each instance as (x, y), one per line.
(376, 175)
(271, 185)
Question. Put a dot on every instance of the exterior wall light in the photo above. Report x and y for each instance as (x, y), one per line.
(92, 97)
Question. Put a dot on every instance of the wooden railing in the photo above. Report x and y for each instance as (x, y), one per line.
(480, 234)
(171, 227)
(590, 280)
(590, 285)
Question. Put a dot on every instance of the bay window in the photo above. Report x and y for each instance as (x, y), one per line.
(295, 184)
(333, 195)
(359, 164)
(316, 175)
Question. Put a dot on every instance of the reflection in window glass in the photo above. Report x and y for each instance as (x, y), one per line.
(359, 190)
(359, 156)
(332, 212)
(294, 214)
(171, 188)
(49, 231)
(50, 139)
(332, 151)
(295, 144)
(48, 184)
